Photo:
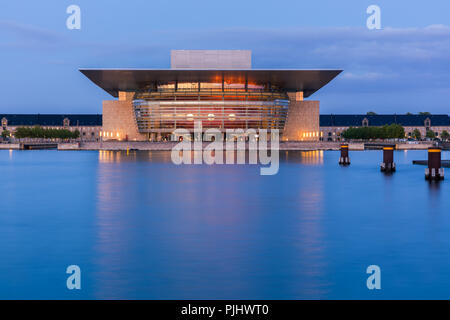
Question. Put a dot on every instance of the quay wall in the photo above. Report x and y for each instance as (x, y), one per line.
(69, 146)
(167, 146)
(7, 146)
(283, 145)
(418, 146)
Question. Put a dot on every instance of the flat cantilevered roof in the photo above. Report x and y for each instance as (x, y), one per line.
(115, 80)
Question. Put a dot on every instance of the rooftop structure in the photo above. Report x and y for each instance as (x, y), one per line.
(211, 59)
(215, 87)
(115, 80)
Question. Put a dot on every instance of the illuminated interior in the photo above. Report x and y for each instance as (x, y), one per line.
(223, 105)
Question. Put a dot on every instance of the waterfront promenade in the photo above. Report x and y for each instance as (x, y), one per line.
(164, 146)
(167, 146)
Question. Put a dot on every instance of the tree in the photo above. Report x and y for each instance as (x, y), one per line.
(393, 131)
(425, 113)
(430, 134)
(38, 132)
(75, 134)
(371, 113)
(5, 134)
(416, 134)
(444, 135)
(409, 114)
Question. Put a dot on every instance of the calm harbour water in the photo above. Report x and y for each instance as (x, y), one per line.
(142, 228)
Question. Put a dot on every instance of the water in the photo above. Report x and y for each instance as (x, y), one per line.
(140, 227)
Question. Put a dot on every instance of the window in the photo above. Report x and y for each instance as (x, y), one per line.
(365, 122)
(66, 122)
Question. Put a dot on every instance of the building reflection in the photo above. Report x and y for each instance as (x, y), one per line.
(160, 226)
(228, 157)
(434, 191)
(304, 157)
(311, 256)
(109, 156)
(116, 194)
(205, 227)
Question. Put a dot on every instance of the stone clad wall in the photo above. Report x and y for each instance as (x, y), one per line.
(119, 123)
(302, 123)
(69, 146)
(119, 118)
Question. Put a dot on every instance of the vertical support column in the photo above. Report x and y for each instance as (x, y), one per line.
(344, 159)
(302, 121)
(388, 164)
(119, 118)
(434, 170)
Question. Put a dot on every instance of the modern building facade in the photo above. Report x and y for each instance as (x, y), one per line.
(218, 88)
(332, 125)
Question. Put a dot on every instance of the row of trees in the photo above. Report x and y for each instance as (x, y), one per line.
(38, 132)
(430, 134)
(426, 113)
(445, 135)
(5, 134)
(393, 131)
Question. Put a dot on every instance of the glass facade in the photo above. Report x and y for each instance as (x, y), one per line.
(223, 105)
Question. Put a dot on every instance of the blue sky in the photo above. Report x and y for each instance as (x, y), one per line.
(402, 68)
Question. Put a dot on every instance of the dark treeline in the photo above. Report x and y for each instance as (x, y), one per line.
(38, 132)
(393, 131)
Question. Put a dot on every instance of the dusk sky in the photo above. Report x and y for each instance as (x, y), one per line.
(405, 67)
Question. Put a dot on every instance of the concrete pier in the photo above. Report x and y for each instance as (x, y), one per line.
(434, 170)
(344, 159)
(388, 164)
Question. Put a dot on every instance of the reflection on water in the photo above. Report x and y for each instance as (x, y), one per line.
(303, 157)
(142, 227)
(312, 253)
(108, 156)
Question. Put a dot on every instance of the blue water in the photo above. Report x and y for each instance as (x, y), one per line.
(140, 227)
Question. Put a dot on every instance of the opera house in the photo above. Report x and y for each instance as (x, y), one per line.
(218, 88)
